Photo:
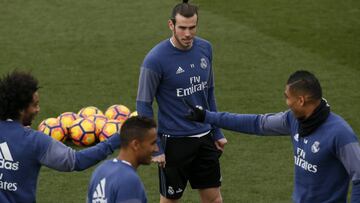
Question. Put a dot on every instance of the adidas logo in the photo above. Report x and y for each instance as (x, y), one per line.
(99, 193)
(179, 70)
(6, 160)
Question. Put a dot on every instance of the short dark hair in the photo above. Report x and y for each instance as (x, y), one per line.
(185, 9)
(304, 81)
(16, 93)
(135, 128)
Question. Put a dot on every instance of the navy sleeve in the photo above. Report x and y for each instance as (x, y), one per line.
(212, 105)
(148, 83)
(267, 124)
(149, 80)
(349, 155)
(355, 195)
(211, 98)
(63, 158)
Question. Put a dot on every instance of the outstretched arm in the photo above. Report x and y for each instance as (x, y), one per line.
(63, 158)
(260, 124)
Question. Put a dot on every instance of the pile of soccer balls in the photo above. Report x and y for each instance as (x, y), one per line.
(88, 126)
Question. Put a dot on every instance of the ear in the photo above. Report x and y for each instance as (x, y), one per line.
(301, 100)
(171, 25)
(135, 145)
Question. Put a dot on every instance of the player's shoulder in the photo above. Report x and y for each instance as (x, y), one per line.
(159, 49)
(339, 128)
(119, 173)
(290, 117)
(37, 136)
(201, 42)
(337, 123)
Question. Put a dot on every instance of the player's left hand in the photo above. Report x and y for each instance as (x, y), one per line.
(220, 144)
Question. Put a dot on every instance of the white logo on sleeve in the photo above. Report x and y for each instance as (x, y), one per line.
(179, 70)
(99, 193)
(6, 159)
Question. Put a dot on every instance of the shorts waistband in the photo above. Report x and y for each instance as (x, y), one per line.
(196, 135)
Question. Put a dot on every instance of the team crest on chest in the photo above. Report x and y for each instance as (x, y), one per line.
(203, 63)
(315, 147)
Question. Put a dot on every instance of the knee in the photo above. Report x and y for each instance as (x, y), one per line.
(216, 199)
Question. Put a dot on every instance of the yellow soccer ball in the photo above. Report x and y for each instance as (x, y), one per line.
(111, 127)
(82, 132)
(88, 111)
(66, 119)
(134, 113)
(99, 121)
(53, 128)
(118, 112)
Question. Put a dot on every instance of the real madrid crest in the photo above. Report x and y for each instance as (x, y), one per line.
(315, 147)
(203, 63)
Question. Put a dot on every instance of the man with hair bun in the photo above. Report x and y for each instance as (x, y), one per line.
(326, 149)
(175, 70)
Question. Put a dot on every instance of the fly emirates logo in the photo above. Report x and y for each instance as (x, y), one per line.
(196, 86)
(301, 162)
(6, 160)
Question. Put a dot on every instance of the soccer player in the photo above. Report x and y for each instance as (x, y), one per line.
(177, 68)
(116, 180)
(326, 150)
(23, 150)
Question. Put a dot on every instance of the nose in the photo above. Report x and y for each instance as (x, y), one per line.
(187, 32)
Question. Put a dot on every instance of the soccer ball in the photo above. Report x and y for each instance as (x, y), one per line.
(66, 119)
(52, 127)
(41, 126)
(110, 127)
(118, 112)
(135, 113)
(88, 111)
(99, 121)
(82, 132)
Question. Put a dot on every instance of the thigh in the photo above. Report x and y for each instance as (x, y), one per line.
(179, 153)
(205, 168)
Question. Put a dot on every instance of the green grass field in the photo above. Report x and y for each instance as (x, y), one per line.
(89, 53)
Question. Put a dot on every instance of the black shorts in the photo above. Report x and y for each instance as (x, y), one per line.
(189, 159)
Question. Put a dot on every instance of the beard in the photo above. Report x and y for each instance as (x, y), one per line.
(181, 43)
(27, 121)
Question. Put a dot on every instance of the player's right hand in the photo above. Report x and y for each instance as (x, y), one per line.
(160, 160)
(196, 113)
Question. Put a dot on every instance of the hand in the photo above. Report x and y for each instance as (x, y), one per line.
(220, 144)
(160, 160)
(197, 113)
